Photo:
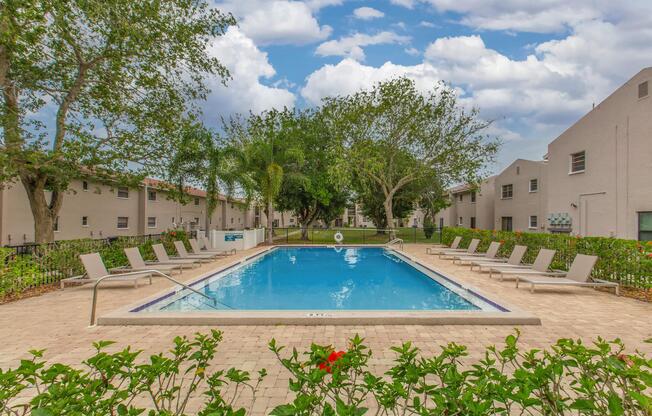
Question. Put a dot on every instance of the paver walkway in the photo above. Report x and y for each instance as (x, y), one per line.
(58, 321)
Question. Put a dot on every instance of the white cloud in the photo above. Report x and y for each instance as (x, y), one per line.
(367, 13)
(351, 46)
(425, 23)
(244, 92)
(405, 3)
(278, 21)
(320, 4)
(412, 51)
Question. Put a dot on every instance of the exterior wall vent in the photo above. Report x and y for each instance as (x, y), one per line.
(643, 89)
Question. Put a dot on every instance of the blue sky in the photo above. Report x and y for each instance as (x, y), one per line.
(533, 67)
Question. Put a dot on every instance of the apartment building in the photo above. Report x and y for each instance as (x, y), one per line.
(96, 210)
(599, 169)
(471, 206)
(521, 197)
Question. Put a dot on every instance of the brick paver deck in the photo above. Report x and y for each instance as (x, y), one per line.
(58, 321)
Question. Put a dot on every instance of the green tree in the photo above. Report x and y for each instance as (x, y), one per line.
(118, 75)
(398, 135)
(203, 159)
(316, 190)
(268, 151)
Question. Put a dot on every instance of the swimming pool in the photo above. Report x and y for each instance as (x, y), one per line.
(317, 284)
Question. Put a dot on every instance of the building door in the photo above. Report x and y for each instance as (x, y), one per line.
(441, 222)
(506, 224)
(472, 222)
(645, 226)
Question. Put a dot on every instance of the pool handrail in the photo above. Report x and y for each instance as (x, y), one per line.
(398, 241)
(97, 283)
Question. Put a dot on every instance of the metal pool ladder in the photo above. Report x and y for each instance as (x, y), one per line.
(398, 241)
(97, 283)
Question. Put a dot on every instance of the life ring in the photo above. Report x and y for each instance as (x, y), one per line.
(338, 237)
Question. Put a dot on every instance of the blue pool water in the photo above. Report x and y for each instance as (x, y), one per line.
(322, 279)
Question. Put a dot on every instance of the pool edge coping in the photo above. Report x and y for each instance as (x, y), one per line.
(509, 315)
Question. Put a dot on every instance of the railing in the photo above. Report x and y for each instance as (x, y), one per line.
(108, 276)
(398, 241)
(295, 235)
(27, 266)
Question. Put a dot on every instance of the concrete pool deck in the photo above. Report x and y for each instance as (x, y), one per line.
(58, 322)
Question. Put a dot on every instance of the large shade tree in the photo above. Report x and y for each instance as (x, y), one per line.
(317, 188)
(398, 135)
(114, 76)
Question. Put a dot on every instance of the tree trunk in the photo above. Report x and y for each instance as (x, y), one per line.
(389, 214)
(270, 222)
(44, 213)
(304, 232)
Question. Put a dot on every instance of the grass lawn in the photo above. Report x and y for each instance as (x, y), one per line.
(352, 236)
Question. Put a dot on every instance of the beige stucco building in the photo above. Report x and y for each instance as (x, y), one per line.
(96, 210)
(599, 169)
(470, 206)
(521, 195)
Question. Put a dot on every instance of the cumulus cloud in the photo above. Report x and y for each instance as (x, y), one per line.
(351, 46)
(405, 3)
(367, 13)
(279, 21)
(412, 51)
(248, 65)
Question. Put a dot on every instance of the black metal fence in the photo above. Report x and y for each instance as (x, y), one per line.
(27, 266)
(295, 235)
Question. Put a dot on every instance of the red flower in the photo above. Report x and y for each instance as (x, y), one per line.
(649, 255)
(333, 357)
(626, 359)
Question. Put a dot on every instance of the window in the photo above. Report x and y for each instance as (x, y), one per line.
(274, 223)
(518, 170)
(84, 221)
(123, 223)
(472, 196)
(172, 220)
(197, 220)
(472, 222)
(151, 195)
(85, 185)
(645, 226)
(55, 226)
(642, 89)
(534, 185)
(196, 201)
(507, 191)
(441, 222)
(506, 224)
(578, 162)
(461, 197)
(461, 222)
(123, 192)
(291, 220)
(232, 221)
(534, 221)
(151, 222)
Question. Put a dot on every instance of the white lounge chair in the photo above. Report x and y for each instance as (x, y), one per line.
(473, 246)
(95, 270)
(196, 249)
(163, 258)
(491, 253)
(183, 253)
(137, 263)
(513, 259)
(454, 246)
(540, 266)
(579, 274)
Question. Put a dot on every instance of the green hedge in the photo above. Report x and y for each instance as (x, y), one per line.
(628, 262)
(49, 263)
(569, 378)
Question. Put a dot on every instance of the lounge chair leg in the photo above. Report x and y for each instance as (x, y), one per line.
(517, 282)
(618, 290)
(532, 288)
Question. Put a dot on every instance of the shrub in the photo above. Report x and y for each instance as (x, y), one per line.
(625, 261)
(428, 227)
(569, 378)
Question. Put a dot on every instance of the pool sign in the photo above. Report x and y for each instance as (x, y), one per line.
(232, 236)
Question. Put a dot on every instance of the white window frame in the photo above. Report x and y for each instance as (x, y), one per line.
(151, 191)
(530, 226)
(85, 186)
(570, 163)
(56, 227)
(82, 221)
(118, 192)
(530, 185)
(502, 191)
(196, 200)
(117, 225)
(461, 223)
(155, 222)
(473, 197)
